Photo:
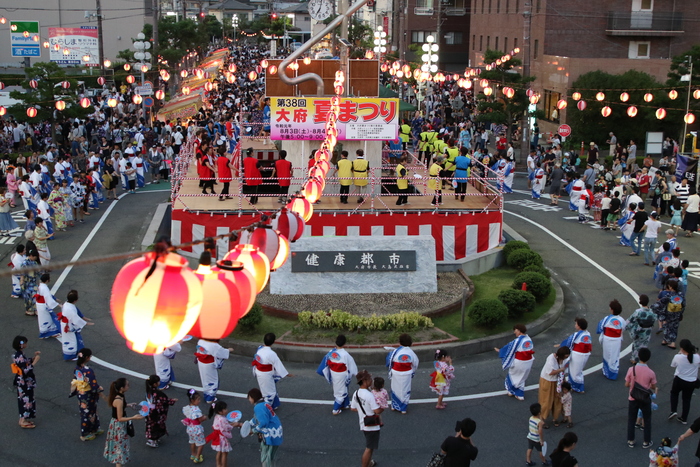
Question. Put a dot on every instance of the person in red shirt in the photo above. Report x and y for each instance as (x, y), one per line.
(223, 165)
(283, 171)
(206, 167)
(501, 144)
(644, 183)
(251, 173)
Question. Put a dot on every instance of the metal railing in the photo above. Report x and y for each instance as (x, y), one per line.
(645, 21)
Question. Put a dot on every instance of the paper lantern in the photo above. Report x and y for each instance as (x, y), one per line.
(31, 112)
(399, 74)
(60, 105)
(312, 190)
(244, 280)
(600, 96)
(488, 91)
(127, 67)
(392, 72)
(186, 90)
(264, 63)
(208, 86)
(696, 94)
(255, 262)
(576, 96)
(383, 67)
(3, 110)
(107, 63)
(689, 118)
(272, 69)
(252, 76)
(264, 238)
(581, 105)
(137, 99)
(33, 84)
(561, 104)
(165, 76)
(605, 111)
(25, 33)
(225, 300)
(130, 79)
(632, 111)
(673, 94)
(484, 83)
(648, 97)
(84, 102)
(2, 85)
(199, 73)
(3, 20)
(112, 102)
(232, 68)
(534, 99)
(661, 113)
(289, 224)
(160, 94)
(530, 93)
(624, 97)
(301, 206)
(407, 70)
(101, 80)
(509, 92)
(183, 74)
(282, 254)
(35, 38)
(155, 301)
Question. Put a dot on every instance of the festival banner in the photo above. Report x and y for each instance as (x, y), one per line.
(360, 118)
(79, 42)
(686, 167)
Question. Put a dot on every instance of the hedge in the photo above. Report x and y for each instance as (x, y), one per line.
(342, 320)
(252, 318)
(518, 302)
(538, 285)
(538, 269)
(512, 246)
(488, 312)
(520, 259)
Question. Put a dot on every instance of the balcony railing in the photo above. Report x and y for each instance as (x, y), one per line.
(452, 11)
(423, 11)
(645, 23)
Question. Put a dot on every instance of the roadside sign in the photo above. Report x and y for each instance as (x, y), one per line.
(23, 35)
(564, 131)
(146, 89)
(148, 102)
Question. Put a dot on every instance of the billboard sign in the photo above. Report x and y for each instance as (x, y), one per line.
(23, 39)
(77, 42)
(360, 118)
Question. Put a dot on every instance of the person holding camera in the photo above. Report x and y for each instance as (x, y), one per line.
(368, 410)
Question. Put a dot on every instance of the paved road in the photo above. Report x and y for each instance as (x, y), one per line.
(312, 435)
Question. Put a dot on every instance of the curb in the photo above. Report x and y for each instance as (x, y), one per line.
(313, 353)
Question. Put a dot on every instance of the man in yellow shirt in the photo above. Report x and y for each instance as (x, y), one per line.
(360, 171)
(405, 133)
(434, 182)
(344, 173)
(427, 144)
(451, 151)
(402, 181)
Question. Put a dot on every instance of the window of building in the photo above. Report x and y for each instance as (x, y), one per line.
(507, 6)
(453, 38)
(481, 43)
(642, 5)
(517, 6)
(515, 42)
(488, 42)
(490, 1)
(505, 45)
(536, 50)
(539, 5)
(418, 37)
(473, 41)
(639, 49)
(496, 46)
(550, 105)
(307, 18)
(483, 2)
(498, 6)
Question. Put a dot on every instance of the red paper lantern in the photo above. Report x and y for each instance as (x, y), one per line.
(255, 262)
(208, 86)
(65, 84)
(3, 110)
(488, 91)
(227, 298)
(530, 92)
(157, 311)
(648, 97)
(661, 113)
(34, 84)
(252, 76)
(581, 105)
(31, 112)
(289, 224)
(101, 81)
(508, 92)
(312, 190)
(183, 74)
(84, 102)
(232, 68)
(60, 105)
(600, 96)
(624, 97)
(231, 79)
(265, 239)
(576, 96)
(689, 118)
(673, 94)
(127, 67)
(605, 111)
(2, 85)
(165, 76)
(130, 79)
(484, 83)
(160, 94)
(199, 73)
(272, 69)
(696, 93)
(632, 111)
(186, 90)
(301, 206)
(282, 254)
(534, 99)
(264, 63)
(137, 99)
(112, 102)
(561, 104)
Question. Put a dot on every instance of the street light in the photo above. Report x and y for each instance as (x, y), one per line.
(379, 42)
(429, 66)
(141, 46)
(234, 24)
(687, 102)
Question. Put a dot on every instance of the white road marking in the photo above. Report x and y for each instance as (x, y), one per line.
(534, 205)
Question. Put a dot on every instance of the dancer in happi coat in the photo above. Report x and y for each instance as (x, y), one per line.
(267, 425)
(29, 195)
(504, 169)
(210, 358)
(610, 329)
(43, 210)
(140, 172)
(72, 323)
(16, 261)
(338, 367)
(517, 357)
(268, 369)
(626, 225)
(575, 189)
(45, 303)
(402, 364)
(580, 344)
(164, 367)
(539, 179)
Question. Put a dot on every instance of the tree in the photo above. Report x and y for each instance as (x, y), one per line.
(361, 36)
(590, 125)
(498, 108)
(680, 66)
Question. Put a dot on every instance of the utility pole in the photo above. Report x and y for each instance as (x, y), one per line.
(156, 18)
(402, 29)
(100, 38)
(687, 102)
(527, 30)
(184, 9)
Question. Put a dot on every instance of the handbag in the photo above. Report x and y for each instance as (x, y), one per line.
(369, 420)
(639, 393)
(666, 196)
(130, 428)
(438, 460)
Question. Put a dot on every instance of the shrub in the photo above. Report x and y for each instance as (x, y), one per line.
(512, 246)
(520, 259)
(342, 320)
(538, 285)
(253, 318)
(488, 312)
(538, 269)
(518, 302)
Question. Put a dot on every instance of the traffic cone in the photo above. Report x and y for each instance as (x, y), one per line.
(524, 287)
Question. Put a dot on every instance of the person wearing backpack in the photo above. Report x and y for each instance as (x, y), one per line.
(639, 326)
(671, 304)
(641, 381)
